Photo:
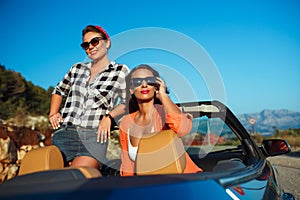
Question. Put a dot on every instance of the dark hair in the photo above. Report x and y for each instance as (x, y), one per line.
(96, 29)
(131, 99)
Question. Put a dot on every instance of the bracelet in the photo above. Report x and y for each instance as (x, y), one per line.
(110, 117)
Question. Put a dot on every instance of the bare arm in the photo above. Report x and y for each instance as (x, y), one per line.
(181, 123)
(161, 94)
(118, 110)
(54, 116)
(106, 122)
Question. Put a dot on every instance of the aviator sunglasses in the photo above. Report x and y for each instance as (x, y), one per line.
(138, 81)
(94, 42)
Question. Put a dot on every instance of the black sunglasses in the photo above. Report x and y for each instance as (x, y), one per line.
(94, 42)
(135, 82)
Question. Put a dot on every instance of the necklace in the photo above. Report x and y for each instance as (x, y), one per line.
(138, 129)
(150, 115)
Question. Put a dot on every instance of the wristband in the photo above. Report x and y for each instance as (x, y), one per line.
(110, 117)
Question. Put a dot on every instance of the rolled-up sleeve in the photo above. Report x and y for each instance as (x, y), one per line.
(124, 72)
(63, 87)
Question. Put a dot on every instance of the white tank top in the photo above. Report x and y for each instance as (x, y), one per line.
(132, 151)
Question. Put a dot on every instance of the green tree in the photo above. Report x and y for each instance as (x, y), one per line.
(20, 98)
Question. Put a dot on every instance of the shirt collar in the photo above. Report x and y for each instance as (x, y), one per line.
(110, 65)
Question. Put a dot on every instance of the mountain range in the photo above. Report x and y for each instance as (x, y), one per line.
(267, 121)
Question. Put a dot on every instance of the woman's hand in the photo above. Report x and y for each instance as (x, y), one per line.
(162, 89)
(103, 132)
(163, 96)
(55, 120)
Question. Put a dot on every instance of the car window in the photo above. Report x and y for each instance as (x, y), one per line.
(210, 135)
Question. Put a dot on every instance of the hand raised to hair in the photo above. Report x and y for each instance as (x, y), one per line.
(162, 90)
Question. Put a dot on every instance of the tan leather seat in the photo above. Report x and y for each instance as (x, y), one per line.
(44, 158)
(50, 158)
(160, 153)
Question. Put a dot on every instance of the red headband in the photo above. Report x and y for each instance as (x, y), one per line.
(102, 31)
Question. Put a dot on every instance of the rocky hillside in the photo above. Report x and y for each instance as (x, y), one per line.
(269, 120)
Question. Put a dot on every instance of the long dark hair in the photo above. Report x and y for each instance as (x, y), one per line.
(131, 99)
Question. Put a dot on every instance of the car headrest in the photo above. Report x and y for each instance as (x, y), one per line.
(49, 159)
(44, 158)
(160, 153)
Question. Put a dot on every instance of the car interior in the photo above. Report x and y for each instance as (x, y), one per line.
(216, 143)
(213, 144)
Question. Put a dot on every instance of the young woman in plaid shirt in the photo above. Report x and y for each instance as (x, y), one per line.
(95, 94)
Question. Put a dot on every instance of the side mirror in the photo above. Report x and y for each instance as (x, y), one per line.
(274, 147)
(288, 196)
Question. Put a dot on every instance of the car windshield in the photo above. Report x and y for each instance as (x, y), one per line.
(210, 135)
(211, 141)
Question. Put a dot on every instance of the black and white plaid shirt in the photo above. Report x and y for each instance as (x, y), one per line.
(85, 102)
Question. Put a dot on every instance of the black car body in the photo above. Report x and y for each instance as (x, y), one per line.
(234, 167)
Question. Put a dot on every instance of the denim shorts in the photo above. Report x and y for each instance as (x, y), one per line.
(76, 141)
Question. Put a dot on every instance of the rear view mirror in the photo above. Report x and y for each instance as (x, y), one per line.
(274, 147)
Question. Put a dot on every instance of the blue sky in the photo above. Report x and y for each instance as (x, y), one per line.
(246, 53)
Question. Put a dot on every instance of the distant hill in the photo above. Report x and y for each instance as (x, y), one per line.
(20, 98)
(269, 120)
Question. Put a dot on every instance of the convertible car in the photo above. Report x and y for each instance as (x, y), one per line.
(234, 166)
